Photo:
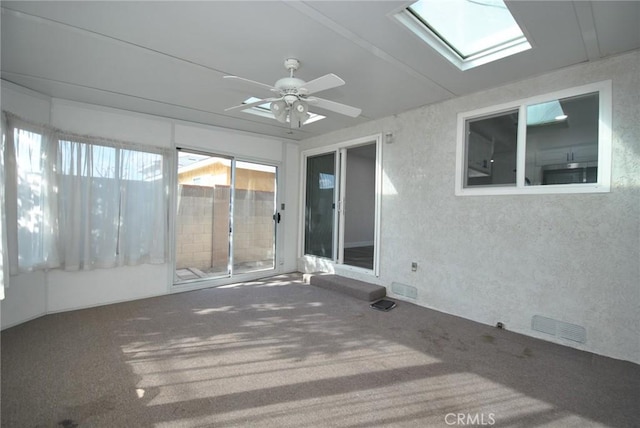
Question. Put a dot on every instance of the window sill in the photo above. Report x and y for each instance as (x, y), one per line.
(534, 190)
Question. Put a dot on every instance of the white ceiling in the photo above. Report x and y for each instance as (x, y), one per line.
(168, 58)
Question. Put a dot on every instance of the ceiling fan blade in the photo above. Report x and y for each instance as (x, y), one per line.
(334, 106)
(323, 83)
(252, 82)
(249, 105)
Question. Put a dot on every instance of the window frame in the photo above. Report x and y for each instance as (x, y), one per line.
(335, 262)
(418, 25)
(603, 184)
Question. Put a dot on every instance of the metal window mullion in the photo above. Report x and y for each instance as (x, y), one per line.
(521, 146)
(121, 195)
(232, 198)
(275, 247)
(338, 190)
(341, 213)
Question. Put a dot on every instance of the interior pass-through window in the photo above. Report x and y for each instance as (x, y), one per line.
(554, 143)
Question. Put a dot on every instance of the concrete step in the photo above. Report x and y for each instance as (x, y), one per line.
(353, 287)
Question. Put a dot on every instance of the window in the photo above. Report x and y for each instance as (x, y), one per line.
(4, 244)
(468, 33)
(81, 205)
(554, 143)
(34, 198)
(492, 149)
(110, 205)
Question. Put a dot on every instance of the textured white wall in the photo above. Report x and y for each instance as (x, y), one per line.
(573, 258)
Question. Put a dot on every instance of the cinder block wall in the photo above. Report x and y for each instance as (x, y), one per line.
(253, 227)
(202, 227)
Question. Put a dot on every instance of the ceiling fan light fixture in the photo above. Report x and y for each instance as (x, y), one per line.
(297, 120)
(300, 107)
(299, 110)
(279, 110)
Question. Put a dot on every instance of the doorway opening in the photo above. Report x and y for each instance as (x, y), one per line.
(359, 206)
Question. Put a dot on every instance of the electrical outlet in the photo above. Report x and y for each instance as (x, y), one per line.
(414, 266)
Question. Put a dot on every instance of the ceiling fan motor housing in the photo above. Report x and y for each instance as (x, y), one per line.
(289, 84)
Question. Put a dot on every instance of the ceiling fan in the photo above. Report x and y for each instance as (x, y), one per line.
(292, 100)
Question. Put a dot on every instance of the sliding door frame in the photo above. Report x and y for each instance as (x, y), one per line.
(230, 277)
(336, 262)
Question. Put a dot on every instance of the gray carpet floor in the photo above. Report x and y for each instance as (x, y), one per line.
(279, 353)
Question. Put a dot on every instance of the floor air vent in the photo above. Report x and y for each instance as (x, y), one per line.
(559, 329)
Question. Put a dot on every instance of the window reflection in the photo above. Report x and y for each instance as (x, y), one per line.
(562, 141)
(491, 149)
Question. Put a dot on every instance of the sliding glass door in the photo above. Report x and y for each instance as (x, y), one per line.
(225, 218)
(320, 205)
(254, 217)
(358, 206)
(342, 205)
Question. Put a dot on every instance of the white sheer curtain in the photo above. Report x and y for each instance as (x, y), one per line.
(144, 213)
(88, 205)
(113, 206)
(80, 203)
(4, 260)
(31, 199)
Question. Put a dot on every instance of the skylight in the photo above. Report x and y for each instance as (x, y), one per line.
(264, 110)
(467, 32)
